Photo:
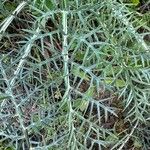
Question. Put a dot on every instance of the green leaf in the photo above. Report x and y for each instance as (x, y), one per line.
(80, 73)
(81, 104)
(117, 82)
(46, 4)
(137, 143)
(49, 4)
(90, 91)
(112, 138)
(79, 55)
(135, 2)
(55, 76)
(2, 97)
(110, 70)
(10, 6)
(1, 16)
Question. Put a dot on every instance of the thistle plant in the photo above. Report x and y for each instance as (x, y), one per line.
(74, 75)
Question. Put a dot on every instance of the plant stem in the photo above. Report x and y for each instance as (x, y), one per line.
(66, 97)
(8, 20)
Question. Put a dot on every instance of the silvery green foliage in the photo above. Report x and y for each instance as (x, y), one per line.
(69, 67)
